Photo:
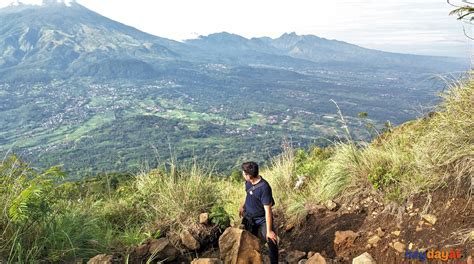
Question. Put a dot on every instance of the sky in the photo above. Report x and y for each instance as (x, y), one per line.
(406, 26)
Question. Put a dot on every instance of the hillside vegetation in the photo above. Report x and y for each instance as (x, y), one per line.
(46, 218)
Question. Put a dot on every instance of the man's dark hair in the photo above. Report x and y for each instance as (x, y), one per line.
(250, 168)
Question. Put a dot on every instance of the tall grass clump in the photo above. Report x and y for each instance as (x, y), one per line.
(281, 172)
(175, 198)
(335, 175)
(389, 167)
(446, 150)
(291, 175)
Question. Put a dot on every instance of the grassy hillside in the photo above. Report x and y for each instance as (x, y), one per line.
(44, 218)
(418, 156)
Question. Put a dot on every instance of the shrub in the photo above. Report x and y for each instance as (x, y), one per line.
(219, 216)
(39, 226)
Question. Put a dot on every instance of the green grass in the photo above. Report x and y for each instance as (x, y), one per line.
(67, 133)
(91, 124)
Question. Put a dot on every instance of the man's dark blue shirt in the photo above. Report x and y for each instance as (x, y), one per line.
(259, 197)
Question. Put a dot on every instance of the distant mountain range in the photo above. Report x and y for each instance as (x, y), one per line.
(96, 95)
(62, 40)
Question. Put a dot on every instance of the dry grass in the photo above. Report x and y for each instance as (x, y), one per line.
(447, 148)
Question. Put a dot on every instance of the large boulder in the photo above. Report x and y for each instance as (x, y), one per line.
(239, 246)
(188, 240)
(101, 259)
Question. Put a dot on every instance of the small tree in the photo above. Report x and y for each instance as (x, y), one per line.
(465, 12)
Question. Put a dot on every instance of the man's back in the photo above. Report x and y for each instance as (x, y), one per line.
(258, 197)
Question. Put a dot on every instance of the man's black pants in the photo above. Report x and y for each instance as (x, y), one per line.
(259, 229)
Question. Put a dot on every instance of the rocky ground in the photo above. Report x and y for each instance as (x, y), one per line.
(363, 230)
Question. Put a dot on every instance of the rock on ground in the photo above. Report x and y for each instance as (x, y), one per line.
(101, 259)
(204, 218)
(316, 259)
(207, 261)
(380, 232)
(330, 205)
(237, 246)
(163, 249)
(344, 236)
(343, 241)
(365, 258)
(294, 256)
(189, 241)
(398, 246)
(430, 218)
(373, 240)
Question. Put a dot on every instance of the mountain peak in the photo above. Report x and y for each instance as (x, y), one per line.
(289, 35)
(60, 2)
(16, 3)
(225, 36)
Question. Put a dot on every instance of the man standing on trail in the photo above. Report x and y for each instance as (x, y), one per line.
(256, 210)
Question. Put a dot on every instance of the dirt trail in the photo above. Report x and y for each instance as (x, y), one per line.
(406, 228)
